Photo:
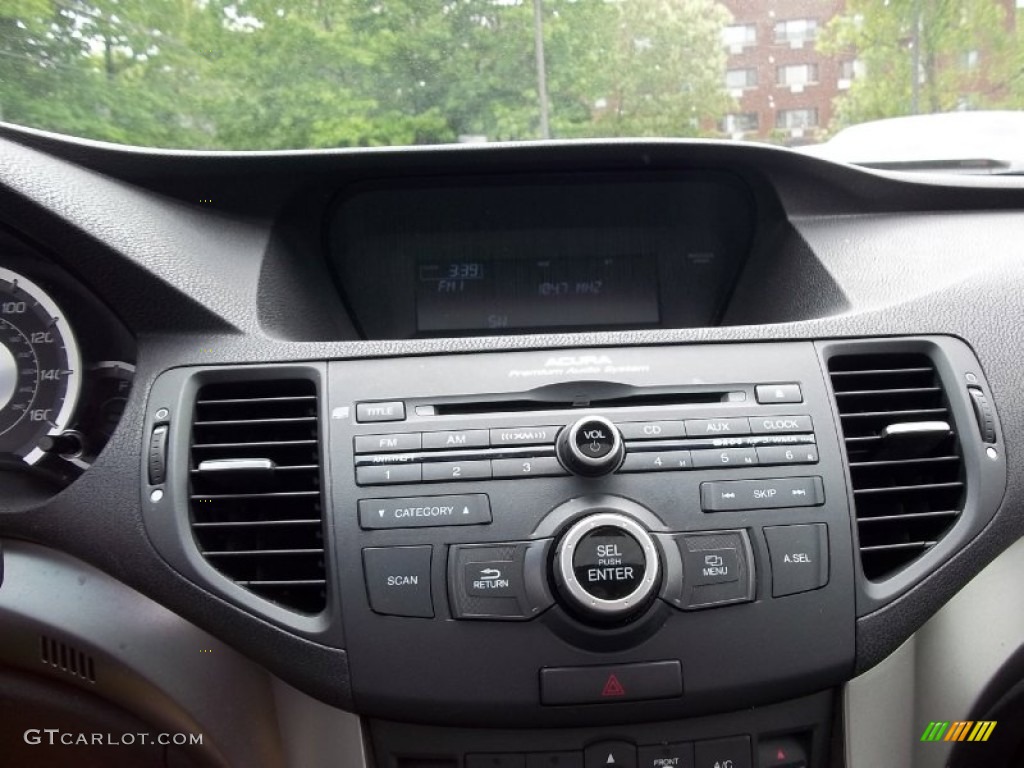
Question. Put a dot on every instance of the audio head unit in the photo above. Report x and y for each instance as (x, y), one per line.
(588, 530)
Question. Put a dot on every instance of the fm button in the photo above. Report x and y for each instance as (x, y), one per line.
(607, 567)
(590, 447)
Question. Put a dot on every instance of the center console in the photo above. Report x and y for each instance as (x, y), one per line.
(636, 534)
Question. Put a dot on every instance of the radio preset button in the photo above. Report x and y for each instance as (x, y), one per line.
(651, 430)
(726, 427)
(453, 440)
(781, 454)
(656, 461)
(541, 466)
(778, 393)
(389, 474)
(456, 470)
(502, 438)
(405, 441)
(769, 425)
(727, 457)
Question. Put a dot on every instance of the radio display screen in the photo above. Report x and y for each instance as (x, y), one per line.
(493, 255)
(513, 293)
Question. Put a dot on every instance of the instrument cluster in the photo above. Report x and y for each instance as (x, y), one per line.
(66, 369)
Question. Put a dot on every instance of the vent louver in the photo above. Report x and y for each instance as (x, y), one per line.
(904, 456)
(255, 492)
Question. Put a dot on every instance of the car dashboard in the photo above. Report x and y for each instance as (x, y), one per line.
(546, 455)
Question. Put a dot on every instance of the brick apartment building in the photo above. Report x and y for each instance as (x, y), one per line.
(784, 88)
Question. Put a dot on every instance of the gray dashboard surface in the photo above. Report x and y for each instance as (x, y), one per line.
(866, 254)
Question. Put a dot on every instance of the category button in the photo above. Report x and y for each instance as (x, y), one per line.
(716, 427)
(523, 436)
(728, 495)
(398, 580)
(769, 425)
(466, 438)
(424, 511)
(407, 441)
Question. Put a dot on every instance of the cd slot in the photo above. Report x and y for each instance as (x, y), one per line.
(575, 400)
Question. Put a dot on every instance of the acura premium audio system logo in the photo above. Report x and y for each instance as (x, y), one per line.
(960, 730)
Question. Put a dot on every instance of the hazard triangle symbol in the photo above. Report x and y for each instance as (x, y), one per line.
(613, 687)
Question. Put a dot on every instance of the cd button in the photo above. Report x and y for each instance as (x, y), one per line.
(651, 430)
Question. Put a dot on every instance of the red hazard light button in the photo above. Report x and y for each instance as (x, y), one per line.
(611, 683)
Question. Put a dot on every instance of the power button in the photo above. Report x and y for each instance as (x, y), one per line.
(590, 447)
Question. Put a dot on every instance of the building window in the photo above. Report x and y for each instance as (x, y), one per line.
(797, 74)
(793, 119)
(736, 79)
(741, 122)
(739, 35)
(851, 70)
(796, 31)
(969, 59)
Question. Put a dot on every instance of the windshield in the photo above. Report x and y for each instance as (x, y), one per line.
(290, 74)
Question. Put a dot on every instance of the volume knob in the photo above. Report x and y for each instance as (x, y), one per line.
(590, 447)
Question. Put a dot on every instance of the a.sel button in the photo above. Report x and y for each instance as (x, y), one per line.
(799, 555)
(398, 581)
(424, 511)
(728, 495)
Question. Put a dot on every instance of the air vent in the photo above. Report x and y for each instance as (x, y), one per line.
(904, 456)
(66, 658)
(255, 492)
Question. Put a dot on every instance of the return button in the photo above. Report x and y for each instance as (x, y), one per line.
(425, 511)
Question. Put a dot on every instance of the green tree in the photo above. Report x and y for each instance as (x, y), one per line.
(663, 68)
(920, 56)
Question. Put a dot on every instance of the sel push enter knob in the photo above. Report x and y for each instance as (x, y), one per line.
(606, 567)
(590, 447)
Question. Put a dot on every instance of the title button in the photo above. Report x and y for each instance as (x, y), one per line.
(390, 411)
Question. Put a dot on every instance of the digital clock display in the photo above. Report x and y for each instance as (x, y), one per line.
(509, 293)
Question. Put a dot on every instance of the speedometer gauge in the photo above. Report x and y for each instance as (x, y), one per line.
(40, 368)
